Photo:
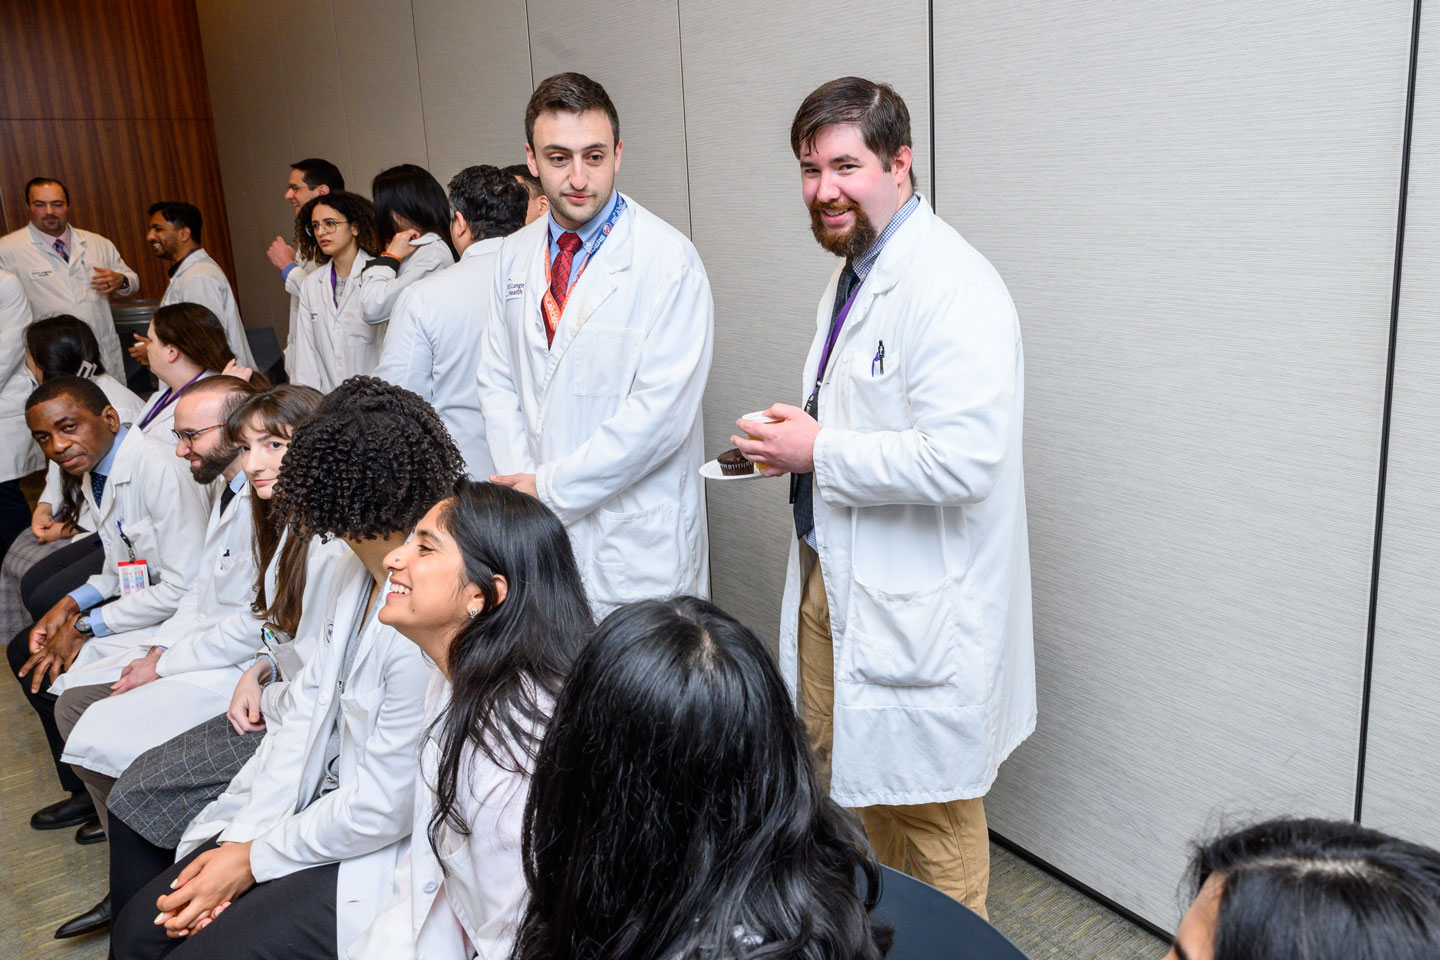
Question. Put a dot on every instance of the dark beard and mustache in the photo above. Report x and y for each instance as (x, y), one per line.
(853, 243)
(212, 465)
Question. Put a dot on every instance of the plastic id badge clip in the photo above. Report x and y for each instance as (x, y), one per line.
(134, 576)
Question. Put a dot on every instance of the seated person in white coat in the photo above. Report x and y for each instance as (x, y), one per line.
(596, 358)
(909, 503)
(184, 344)
(66, 270)
(437, 327)
(304, 844)
(309, 179)
(674, 809)
(195, 277)
(413, 218)
(332, 341)
(502, 644)
(19, 457)
(58, 347)
(151, 518)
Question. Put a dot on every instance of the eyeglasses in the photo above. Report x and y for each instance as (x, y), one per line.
(318, 227)
(187, 437)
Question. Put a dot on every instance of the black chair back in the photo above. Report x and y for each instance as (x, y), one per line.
(931, 926)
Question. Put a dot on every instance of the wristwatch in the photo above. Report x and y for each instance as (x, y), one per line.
(82, 625)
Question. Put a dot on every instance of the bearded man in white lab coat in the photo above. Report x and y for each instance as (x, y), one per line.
(595, 360)
(906, 617)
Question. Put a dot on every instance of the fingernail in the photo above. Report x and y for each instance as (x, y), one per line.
(159, 919)
(174, 883)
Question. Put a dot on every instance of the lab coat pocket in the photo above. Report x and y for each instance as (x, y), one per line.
(637, 554)
(361, 713)
(605, 360)
(908, 639)
(234, 581)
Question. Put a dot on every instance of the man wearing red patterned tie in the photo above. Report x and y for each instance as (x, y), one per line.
(595, 364)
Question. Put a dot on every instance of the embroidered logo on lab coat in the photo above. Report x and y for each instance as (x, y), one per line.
(514, 289)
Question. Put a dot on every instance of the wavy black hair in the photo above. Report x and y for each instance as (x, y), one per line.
(674, 812)
(59, 345)
(492, 202)
(353, 207)
(1322, 890)
(507, 664)
(369, 462)
(412, 192)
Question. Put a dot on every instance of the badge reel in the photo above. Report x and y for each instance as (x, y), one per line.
(134, 574)
(281, 646)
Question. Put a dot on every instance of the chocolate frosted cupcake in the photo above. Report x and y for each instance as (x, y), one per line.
(733, 463)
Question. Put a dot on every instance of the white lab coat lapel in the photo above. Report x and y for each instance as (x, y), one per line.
(594, 287)
(121, 469)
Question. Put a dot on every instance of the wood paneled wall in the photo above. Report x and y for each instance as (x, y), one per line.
(110, 97)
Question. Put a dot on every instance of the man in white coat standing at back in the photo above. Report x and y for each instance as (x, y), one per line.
(906, 617)
(438, 325)
(195, 277)
(68, 270)
(596, 359)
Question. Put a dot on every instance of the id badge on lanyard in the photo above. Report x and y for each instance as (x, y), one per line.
(551, 310)
(134, 574)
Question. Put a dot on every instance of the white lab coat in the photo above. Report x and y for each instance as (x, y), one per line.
(472, 904)
(433, 347)
(333, 343)
(162, 427)
(199, 279)
(128, 406)
(19, 454)
(608, 419)
(213, 630)
(53, 286)
(293, 280)
(362, 823)
(920, 520)
(164, 511)
(380, 285)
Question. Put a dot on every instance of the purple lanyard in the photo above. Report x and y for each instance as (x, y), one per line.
(835, 326)
(166, 400)
(334, 294)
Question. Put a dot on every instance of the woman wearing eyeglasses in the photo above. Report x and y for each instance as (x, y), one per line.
(332, 340)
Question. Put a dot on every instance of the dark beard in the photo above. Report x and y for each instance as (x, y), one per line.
(851, 245)
(212, 466)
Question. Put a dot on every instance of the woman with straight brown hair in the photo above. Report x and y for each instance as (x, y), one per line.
(185, 344)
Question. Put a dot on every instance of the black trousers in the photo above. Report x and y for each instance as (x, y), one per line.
(134, 862)
(14, 513)
(56, 574)
(44, 704)
(290, 918)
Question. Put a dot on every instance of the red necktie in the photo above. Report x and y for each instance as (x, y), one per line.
(569, 243)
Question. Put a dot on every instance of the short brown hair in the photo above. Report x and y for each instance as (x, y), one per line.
(876, 108)
(572, 93)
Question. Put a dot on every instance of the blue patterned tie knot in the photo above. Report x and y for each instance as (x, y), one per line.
(97, 485)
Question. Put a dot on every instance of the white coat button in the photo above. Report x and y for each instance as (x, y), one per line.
(430, 886)
(324, 698)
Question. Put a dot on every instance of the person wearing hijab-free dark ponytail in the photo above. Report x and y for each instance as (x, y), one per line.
(488, 588)
(413, 215)
(674, 812)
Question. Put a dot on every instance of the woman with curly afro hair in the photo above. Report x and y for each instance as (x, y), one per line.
(299, 854)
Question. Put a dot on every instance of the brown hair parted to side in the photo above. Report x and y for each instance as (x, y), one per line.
(571, 93)
(876, 108)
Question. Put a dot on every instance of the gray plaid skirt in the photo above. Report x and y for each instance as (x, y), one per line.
(24, 553)
(167, 786)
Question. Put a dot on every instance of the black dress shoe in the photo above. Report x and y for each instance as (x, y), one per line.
(96, 918)
(90, 832)
(70, 812)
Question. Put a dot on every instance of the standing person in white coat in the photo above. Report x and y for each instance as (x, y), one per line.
(303, 845)
(906, 618)
(413, 217)
(596, 358)
(309, 178)
(438, 325)
(19, 456)
(332, 340)
(502, 644)
(195, 277)
(66, 270)
(151, 519)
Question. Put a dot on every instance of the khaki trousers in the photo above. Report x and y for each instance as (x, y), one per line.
(68, 710)
(947, 845)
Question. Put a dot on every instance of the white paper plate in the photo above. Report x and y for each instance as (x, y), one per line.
(711, 471)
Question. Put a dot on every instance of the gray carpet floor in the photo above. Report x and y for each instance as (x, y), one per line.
(45, 878)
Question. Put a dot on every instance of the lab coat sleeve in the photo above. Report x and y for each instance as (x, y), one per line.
(231, 641)
(407, 358)
(381, 286)
(657, 416)
(52, 494)
(294, 279)
(15, 314)
(960, 368)
(178, 508)
(374, 806)
(505, 432)
(110, 259)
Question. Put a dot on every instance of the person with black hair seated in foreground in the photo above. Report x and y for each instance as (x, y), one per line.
(1311, 890)
(151, 517)
(488, 588)
(303, 845)
(674, 812)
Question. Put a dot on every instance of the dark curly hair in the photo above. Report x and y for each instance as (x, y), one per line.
(353, 207)
(370, 461)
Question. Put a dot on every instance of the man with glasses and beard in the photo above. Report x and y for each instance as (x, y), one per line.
(909, 503)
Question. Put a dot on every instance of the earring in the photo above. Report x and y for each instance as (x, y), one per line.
(473, 613)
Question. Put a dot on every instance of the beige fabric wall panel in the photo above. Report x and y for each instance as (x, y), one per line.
(747, 66)
(474, 82)
(1194, 206)
(634, 51)
(381, 77)
(315, 97)
(1402, 760)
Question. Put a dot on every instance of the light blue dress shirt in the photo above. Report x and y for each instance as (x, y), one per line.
(589, 233)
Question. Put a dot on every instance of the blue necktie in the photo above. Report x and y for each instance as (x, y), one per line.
(60, 249)
(97, 485)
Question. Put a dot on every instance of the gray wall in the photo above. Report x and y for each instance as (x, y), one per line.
(1195, 208)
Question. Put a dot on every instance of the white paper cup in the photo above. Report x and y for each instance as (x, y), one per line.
(760, 416)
